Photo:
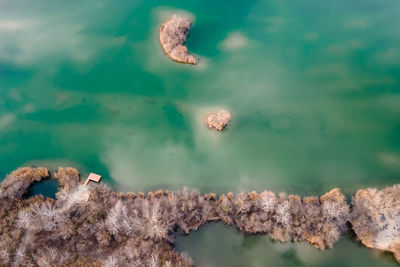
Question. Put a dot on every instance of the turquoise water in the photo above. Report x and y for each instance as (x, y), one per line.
(312, 86)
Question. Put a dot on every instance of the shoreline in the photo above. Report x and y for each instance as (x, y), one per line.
(97, 224)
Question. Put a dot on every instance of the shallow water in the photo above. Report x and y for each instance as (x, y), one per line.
(313, 89)
(218, 246)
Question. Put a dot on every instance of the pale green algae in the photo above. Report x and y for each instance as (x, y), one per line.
(313, 89)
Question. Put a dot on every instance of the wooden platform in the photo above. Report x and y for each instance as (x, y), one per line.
(92, 177)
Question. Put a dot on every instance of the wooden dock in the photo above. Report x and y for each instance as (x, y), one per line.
(92, 177)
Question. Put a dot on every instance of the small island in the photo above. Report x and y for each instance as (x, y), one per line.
(218, 120)
(376, 218)
(173, 34)
(91, 225)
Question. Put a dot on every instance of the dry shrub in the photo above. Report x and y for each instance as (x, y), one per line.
(92, 225)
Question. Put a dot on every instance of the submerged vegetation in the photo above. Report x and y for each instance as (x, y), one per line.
(94, 226)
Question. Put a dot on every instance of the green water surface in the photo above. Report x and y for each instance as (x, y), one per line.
(313, 88)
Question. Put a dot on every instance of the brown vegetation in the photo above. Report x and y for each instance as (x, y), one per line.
(376, 218)
(94, 226)
(83, 226)
(16, 184)
(218, 120)
(173, 35)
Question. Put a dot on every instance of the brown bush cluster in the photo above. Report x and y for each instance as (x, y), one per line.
(173, 35)
(376, 218)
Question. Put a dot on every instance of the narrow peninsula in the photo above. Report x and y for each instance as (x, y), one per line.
(91, 225)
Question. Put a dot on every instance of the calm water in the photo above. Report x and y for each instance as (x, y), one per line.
(313, 88)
